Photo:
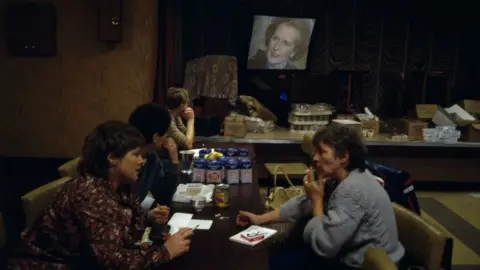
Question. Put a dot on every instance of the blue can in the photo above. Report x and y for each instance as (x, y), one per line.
(199, 170)
(232, 171)
(224, 161)
(243, 153)
(231, 152)
(213, 175)
(246, 170)
(203, 152)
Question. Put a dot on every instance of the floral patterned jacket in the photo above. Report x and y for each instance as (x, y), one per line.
(88, 225)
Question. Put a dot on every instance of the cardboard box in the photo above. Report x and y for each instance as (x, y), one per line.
(372, 126)
(471, 106)
(473, 132)
(426, 111)
(235, 126)
(351, 123)
(413, 128)
(453, 117)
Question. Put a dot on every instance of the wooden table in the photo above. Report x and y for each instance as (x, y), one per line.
(212, 249)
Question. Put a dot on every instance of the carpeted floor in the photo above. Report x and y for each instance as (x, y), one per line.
(458, 213)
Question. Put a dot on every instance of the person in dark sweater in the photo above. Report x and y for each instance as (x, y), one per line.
(160, 174)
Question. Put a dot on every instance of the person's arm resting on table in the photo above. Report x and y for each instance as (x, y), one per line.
(105, 243)
(328, 233)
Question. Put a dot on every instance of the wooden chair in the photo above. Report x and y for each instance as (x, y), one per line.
(425, 244)
(35, 201)
(377, 259)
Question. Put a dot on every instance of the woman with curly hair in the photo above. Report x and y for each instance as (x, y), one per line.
(94, 220)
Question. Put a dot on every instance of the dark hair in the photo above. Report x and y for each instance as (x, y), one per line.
(150, 119)
(344, 140)
(112, 137)
(175, 97)
(301, 45)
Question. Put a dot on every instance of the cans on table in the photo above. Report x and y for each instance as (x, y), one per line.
(246, 170)
(224, 161)
(243, 153)
(232, 171)
(231, 152)
(203, 152)
(213, 174)
(222, 195)
(199, 170)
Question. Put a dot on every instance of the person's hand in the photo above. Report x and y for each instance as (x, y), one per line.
(188, 114)
(171, 147)
(159, 214)
(315, 189)
(179, 243)
(245, 218)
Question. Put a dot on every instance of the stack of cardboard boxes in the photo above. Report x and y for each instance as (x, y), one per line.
(464, 116)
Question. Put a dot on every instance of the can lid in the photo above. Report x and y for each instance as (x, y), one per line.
(232, 161)
(200, 161)
(222, 158)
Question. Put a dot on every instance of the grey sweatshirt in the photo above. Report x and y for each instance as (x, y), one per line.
(359, 216)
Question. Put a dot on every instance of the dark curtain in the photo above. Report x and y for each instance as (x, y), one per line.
(170, 62)
(390, 54)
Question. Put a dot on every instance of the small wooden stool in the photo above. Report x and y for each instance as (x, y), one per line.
(295, 171)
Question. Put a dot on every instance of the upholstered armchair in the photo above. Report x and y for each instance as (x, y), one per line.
(377, 259)
(35, 201)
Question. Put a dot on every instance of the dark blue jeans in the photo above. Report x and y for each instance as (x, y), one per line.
(302, 257)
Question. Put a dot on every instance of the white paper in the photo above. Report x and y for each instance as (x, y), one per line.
(147, 203)
(180, 219)
(254, 228)
(200, 224)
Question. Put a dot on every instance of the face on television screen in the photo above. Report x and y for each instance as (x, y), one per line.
(280, 43)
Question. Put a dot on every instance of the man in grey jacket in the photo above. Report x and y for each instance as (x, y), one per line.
(359, 213)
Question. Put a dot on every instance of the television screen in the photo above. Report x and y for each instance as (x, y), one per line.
(280, 43)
